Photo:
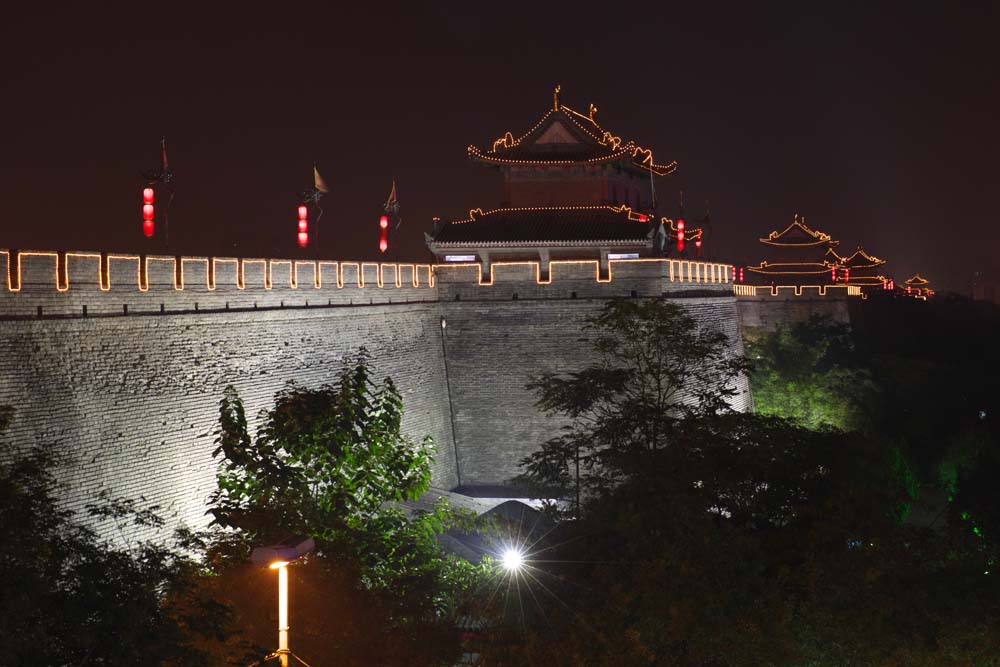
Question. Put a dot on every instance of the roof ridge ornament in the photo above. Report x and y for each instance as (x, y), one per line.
(555, 97)
(506, 141)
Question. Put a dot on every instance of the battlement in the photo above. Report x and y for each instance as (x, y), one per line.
(769, 306)
(791, 291)
(44, 283)
(83, 283)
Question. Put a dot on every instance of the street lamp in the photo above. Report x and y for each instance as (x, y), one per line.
(512, 559)
(277, 557)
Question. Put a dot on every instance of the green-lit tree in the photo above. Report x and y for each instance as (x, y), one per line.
(810, 372)
(332, 463)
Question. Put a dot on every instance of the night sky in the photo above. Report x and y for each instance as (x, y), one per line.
(879, 125)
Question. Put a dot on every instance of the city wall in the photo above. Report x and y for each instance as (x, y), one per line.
(762, 308)
(122, 360)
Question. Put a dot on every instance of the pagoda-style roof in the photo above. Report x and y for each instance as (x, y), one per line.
(859, 259)
(791, 268)
(567, 137)
(565, 225)
(869, 281)
(917, 281)
(798, 234)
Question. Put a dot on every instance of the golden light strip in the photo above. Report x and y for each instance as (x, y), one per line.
(696, 271)
(420, 274)
(797, 290)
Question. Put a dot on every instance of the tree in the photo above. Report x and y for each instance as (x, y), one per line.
(711, 538)
(69, 598)
(752, 541)
(810, 372)
(324, 459)
(655, 366)
(332, 463)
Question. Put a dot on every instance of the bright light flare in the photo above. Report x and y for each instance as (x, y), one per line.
(512, 559)
(278, 564)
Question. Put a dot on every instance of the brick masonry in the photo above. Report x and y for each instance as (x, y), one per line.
(125, 371)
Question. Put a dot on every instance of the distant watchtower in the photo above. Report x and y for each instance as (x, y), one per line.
(797, 255)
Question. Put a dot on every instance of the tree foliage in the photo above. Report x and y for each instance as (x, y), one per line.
(743, 539)
(752, 541)
(654, 366)
(332, 463)
(324, 459)
(811, 373)
(70, 598)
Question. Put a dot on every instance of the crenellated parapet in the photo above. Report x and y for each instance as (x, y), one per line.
(792, 291)
(45, 283)
(766, 307)
(570, 279)
(84, 283)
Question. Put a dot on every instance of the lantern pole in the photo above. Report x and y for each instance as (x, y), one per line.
(282, 613)
(277, 557)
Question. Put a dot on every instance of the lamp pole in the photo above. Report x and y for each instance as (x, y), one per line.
(282, 568)
(278, 557)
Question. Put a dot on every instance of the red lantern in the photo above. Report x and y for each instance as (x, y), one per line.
(642, 217)
(148, 212)
(741, 274)
(680, 225)
(847, 275)
(383, 223)
(833, 274)
(303, 237)
(734, 274)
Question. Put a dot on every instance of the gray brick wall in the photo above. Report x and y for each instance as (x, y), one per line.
(494, 347)
(135, 399)
(765, 313)
(129, 379)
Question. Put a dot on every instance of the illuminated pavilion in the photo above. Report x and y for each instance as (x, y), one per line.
(917, 287)
(859, 268)
(797, 255)
(572, 190)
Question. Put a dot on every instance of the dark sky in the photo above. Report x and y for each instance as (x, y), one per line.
(880, 125)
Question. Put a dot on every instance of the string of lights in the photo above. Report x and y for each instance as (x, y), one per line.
(618, 148)
(420, 275)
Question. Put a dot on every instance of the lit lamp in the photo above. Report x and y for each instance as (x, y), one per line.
(512, 559)
(277, 557)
